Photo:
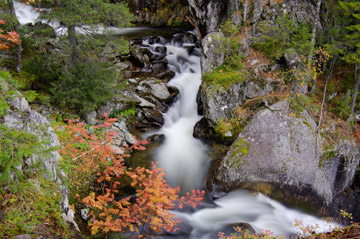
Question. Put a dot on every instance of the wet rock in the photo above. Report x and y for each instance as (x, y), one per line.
(189, 38)
(136, 42)
(203, 131)
(159, 105)
(155, 39)
(157, 89)
(133, 81)
(129, 138)
(153, 116)
(166, 75)
(157, 138)
(343, 165)
(143, 127)
(159, 67)
(161, 49)
(144, 103)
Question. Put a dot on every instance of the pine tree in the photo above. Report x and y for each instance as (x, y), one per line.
(351, 10)
(82, 14)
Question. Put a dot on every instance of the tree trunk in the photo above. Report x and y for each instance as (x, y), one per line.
(73, 44)
(331, 69)
(19, 48)
(313, 37)
(356, 89)
(245, 10)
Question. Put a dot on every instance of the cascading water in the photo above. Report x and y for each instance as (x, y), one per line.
(185, 162)
(184, 158)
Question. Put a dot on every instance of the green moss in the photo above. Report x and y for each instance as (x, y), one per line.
(240, 148)
(327, 157)
(224, 76)
(307, 124)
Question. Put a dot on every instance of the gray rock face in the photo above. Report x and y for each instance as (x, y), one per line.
(278, 149)
(291, 57)
(218, 103)
(207, 14)
(341, 165)
(211, 57)
(21, 116)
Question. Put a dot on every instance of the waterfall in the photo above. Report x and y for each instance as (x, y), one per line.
(184, 160)
(182, 156)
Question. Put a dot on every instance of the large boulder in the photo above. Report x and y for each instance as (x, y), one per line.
(278, 153)
(211, 57)
(216, 102)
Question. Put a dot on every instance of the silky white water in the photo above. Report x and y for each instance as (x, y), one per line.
(181, 155)
(185, 162)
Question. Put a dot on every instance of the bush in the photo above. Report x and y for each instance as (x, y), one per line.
(274, 40)
(302, 102)
(84, 85)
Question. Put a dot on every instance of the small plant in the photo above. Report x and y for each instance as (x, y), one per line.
(128, 112)
(302, 102)
(346, 214)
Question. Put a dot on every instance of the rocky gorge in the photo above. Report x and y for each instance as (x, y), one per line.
(267, 145)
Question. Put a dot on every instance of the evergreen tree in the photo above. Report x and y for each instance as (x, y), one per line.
(82, 14)
(351, 10)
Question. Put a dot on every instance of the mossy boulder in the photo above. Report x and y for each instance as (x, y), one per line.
(278, 151)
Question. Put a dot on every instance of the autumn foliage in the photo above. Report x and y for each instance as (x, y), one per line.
(8, 39)
(144, 213)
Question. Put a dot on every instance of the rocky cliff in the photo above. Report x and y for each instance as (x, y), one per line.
(20, 117)
(279, 152)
